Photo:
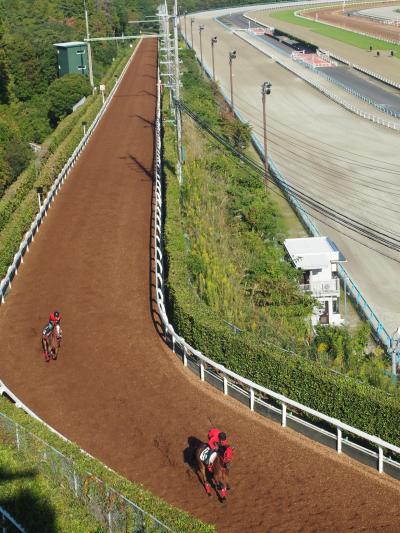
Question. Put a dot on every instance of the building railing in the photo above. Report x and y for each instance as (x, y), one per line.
(322, 288)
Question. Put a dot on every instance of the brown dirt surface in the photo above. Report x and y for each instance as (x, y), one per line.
(360, 24)
(118, 391)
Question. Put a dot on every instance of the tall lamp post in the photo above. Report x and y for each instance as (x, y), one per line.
(201, 28)
(214, 40)
(265, 90)
(191, 30)
(184, 17)
(232, 56)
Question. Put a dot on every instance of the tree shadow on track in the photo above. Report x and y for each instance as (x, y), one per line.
(149, 172)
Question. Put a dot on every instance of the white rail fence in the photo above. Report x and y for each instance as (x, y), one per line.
(342, 436)
(136, 519)
(29, 237)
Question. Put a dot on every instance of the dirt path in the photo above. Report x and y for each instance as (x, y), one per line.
(118, 391)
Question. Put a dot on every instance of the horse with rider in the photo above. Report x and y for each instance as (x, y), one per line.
(51, 336)
(213, 462)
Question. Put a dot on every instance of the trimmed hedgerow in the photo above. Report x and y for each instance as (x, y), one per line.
(342, 397)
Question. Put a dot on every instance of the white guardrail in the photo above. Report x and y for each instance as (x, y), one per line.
(29, 237)
(257, 397)
(12, 271)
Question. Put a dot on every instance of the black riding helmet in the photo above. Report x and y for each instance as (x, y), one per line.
(222, 436)
(56, 314)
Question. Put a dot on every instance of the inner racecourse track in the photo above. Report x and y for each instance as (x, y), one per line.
(118, 391)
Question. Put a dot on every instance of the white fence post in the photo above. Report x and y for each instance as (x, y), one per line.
(283, 415)
(380, 460)
(339, 440)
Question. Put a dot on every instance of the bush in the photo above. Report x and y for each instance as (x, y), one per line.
(64, 93)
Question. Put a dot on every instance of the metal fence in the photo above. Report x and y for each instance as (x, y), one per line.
(8, 524)
(115, 512)
(366, 448)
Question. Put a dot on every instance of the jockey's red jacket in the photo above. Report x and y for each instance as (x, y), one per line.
(213, 439)
(54, 320)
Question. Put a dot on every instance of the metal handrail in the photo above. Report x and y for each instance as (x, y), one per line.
(249, 388)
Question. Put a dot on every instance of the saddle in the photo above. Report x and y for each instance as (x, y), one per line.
(208, 456)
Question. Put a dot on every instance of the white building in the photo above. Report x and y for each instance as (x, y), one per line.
(318, 258)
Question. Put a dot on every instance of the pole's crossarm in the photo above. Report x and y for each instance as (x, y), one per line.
(122, 37)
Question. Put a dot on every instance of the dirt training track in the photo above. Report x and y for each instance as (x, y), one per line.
(117, 390)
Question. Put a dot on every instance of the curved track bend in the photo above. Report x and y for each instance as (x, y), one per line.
(117, 390)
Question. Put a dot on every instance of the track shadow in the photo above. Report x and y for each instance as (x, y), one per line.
(31, 512)
(149, 172)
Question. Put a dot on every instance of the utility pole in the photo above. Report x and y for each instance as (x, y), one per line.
(232, 56)
(201, 28)
(89, 47)
(191, 31)
(177, 95)
(213, 42)
(265, 90)
(184, 16)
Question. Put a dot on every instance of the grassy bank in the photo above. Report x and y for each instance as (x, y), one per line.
(223, 236)
(174, 518)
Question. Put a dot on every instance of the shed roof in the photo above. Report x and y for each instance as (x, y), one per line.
(70, 44)
(313, 252)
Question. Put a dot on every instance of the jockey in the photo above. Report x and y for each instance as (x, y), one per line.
(216, 439)
(55, 321)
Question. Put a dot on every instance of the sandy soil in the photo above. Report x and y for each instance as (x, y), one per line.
(118, 391)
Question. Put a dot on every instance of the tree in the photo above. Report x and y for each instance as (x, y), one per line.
(64, 93)
(4, 72)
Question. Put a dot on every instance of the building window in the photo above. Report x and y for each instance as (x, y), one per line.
(80, 52)
(335, 305)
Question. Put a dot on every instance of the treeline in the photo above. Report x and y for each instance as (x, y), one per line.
(32, 100)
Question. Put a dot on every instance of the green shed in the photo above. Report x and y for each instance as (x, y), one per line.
(72, 58)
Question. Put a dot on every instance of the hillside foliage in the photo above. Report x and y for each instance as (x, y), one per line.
(32, 99)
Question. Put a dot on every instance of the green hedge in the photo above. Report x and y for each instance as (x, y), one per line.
(174, 518)
(345, 398)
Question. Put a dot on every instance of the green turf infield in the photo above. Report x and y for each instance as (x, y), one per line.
(345, 36)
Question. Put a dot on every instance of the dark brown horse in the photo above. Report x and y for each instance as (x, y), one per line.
(51, 345)
(220, 471)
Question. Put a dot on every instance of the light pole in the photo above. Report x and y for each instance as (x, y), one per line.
(265, 90)
(232, 56)
(214, 40)
(184, 17)
(191, 30)
(201, 28)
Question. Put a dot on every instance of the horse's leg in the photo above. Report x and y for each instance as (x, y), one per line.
(45, 349)
(203, 477)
